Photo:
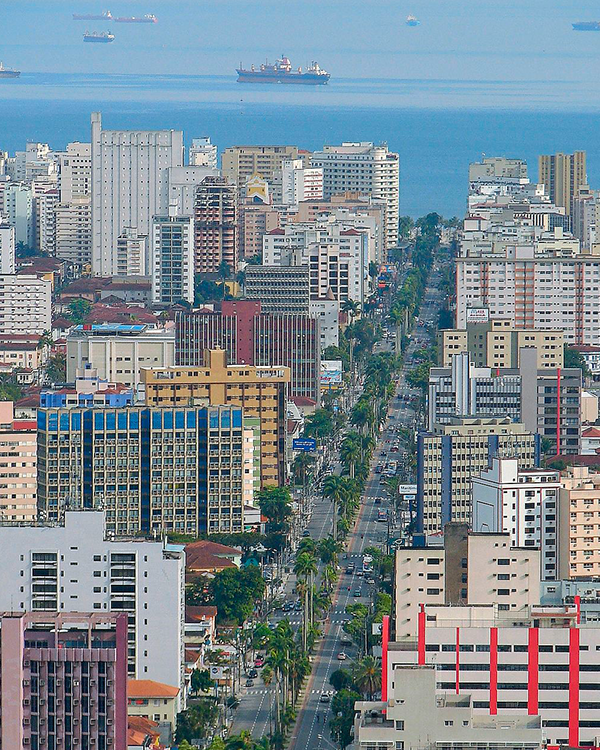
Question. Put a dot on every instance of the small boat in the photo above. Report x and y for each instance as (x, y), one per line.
(8, 72)
(412, 21)
(98, 37)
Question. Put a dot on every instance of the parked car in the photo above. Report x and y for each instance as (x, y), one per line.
(249, 683)
(259, 661)
(253, 673)
(357, 593)
(342, 656)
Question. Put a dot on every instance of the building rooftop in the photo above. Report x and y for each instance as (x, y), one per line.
(150, 689)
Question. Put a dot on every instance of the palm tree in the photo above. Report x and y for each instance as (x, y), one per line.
(366, 676)
(224, 274)
(329, 576)
(334, 489)
(351, 454)
(363, 415)
(241, 741)
(305, 569)
(328, 549)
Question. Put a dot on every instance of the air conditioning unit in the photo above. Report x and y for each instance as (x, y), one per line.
(26, 702)
(26, 720)
(58, 720)
(25, 683)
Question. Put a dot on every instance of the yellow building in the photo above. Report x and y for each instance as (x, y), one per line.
(579, 515)
(260, 391)
(242, 162)
(153, 700)
(497, 344)
(563, 175)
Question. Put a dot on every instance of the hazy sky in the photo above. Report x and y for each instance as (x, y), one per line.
(527, 40)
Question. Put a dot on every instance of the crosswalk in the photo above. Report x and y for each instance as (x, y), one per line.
(332, 621)
(266, 691)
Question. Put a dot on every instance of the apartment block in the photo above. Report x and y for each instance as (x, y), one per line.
(172, 259)
(183, 185)
(547, 401)
(495, 343)
(252, 337)
(203, 153)
(295, 183)
(130, 184)
(18, 466)
(563, 175)
(215, 222)
(497, 167)
(261, 391)
(254, 221)
(119, 352)
(524, 503)
(168, 469)
(133, 253)
(18, 208)
(367, 169)
(74, 232)
(7, 247)
(450, 455)
(239, 163)
(64, 680)
(77, 566)
(467, 568)
(579, 529)
(280, 289)
(25, 304)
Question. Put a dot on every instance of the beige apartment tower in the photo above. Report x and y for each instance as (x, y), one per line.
(260, 391)
(563, 175)
(242, 162)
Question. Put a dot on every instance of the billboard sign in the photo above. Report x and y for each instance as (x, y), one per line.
(304, 444)
(331, 372)
(478, 315)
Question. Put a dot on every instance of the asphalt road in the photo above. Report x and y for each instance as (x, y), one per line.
(256, 707)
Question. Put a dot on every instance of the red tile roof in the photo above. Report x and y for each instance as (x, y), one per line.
(150, 689)
(198, 614)
(591, 432)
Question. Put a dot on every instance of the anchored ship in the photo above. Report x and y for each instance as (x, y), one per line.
(98, 37)
(412, 21)
(586, 26)
(105, 16)
(8, 72)
(281, 72)
(148, 18)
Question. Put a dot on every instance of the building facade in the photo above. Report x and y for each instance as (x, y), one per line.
(133, 253)
(77, 566)
(563, 175)
(25, 305)
(261, 392)
(280, 289)
(239, 163)
(172, 259)
(215, 226)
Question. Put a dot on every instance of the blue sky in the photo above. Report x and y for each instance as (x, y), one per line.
(526, 40)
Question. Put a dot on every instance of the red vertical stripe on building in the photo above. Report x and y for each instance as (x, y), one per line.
(533, 667)
(493, 671)
(421, 636)
(558, 411)
(574, 687)
(385, 637)
(578, 606)
(457, 660)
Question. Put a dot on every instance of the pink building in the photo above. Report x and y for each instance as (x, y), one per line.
(64, 681)
(18, 466)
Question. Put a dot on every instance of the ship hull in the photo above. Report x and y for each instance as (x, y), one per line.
(9, 73)
(302, 79)
(587, 26)
(98, 41)
(77, 17)
(135, 20)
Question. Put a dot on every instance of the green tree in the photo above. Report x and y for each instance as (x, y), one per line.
(235, 593)
(405, 226)
(366, 676)
(340, 679)
(201, 681)
(224, 274)
(319, 424)
(329, 549)
(342, 711)
(56, 368)
(574, 358)
(79, 309)
(334, 489)
(305, 569)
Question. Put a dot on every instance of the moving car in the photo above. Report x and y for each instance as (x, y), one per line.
(259, 661)
(249, 683)
(342, 656)
(325, 697)
(357, 593)
(252, 673)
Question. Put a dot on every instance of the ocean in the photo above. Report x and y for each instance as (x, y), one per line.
(437, 126)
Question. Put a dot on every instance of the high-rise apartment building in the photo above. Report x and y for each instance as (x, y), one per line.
(363, 168)
(203, 153)
(150, 469)
(18, 207)
(75, 175)
(251, 336)
(254, 221)
(579, 528)
(261, 391)
(77, 565)
(172, 259)
(183, 184)
(64, 678)
(73, 213)
(563, 175)
(119, 352)
(295, 183)
(215, 225)
(280, 289)
(239, 163)
(495, 343)
(25, 304)
(130, 184)
(450, 455)
(523, 503)
(44, 219)
(492, 168)
(18, 466)
(132, 253)
(7, 247)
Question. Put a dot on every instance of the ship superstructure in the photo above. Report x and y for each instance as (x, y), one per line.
(8, 72)
(98, 37)
(105, 16)
(282, 72)
(148, 18)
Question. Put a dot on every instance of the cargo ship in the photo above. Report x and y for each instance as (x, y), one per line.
(412, 21)
(106, 16)
(98, 37)
(8, 72)
(148, 18)
(281, 72)
(586, 26)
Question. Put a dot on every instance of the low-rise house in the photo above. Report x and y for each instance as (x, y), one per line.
(154, 700)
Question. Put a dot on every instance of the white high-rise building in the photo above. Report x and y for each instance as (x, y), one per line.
(76, 567)
(363, 168)
(73, 231)
(45, 221)
(130, 184)
(18, 207)
(25, 304)
(183, 182)
(7, 247)
(203, 153)
(299, 183)
(75, 177)
(172, 258)
(132, 253)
